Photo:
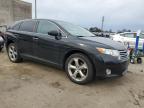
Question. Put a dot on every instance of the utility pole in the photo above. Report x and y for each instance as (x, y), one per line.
(102, 23)
(35, 9)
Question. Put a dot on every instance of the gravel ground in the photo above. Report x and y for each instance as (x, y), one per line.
(33, 85)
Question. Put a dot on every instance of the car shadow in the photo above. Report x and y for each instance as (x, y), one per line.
(109, 82)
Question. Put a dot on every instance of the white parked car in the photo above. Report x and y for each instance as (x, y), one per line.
(129, 38)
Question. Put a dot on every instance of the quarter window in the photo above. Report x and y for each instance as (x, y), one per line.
(46, 26)
(28, 26)
(16, 26)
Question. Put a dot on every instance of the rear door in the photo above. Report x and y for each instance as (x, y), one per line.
(26, 34)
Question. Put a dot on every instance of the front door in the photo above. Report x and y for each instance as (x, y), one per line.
(48, 48)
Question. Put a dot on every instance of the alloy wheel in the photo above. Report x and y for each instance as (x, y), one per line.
(13, 53)
(78, 69)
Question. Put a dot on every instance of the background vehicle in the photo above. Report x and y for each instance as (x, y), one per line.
(1, 43)
(102, 34)
(2, 36)
(62, 44)
(129, 37)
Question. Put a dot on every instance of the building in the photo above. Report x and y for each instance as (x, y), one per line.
(14, 10)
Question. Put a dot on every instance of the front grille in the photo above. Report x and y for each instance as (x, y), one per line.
(123, 55)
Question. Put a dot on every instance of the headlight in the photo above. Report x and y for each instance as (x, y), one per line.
(111, 52)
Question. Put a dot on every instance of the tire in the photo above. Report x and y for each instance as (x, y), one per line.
(13, 53)
(132, 61)
(79, 69)
(139, 60)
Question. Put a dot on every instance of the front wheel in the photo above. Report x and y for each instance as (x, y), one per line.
(13, 53)
(79, 69)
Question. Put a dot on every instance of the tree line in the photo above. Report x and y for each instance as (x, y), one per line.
(96, 29)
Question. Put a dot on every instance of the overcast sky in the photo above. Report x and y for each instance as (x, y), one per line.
(118, 14)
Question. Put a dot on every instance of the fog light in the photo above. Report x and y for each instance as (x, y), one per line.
(108, 71)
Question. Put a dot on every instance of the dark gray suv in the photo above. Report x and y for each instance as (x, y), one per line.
(80, 53)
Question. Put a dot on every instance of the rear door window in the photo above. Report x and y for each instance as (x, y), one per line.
(28, 26)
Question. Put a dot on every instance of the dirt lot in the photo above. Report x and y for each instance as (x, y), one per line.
(33, 85)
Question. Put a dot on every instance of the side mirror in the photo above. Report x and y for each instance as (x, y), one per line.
(55, 33)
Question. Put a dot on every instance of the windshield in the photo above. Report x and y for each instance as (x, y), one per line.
(74, 29)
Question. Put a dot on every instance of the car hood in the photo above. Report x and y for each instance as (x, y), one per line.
(107, 43)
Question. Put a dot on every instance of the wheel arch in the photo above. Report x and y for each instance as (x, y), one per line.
(10, 39)
(9, 42)
(69, 53)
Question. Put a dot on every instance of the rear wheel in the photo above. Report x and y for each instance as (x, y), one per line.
(79, 69)
(13, 53)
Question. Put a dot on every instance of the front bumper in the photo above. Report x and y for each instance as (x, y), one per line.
(117, 68)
